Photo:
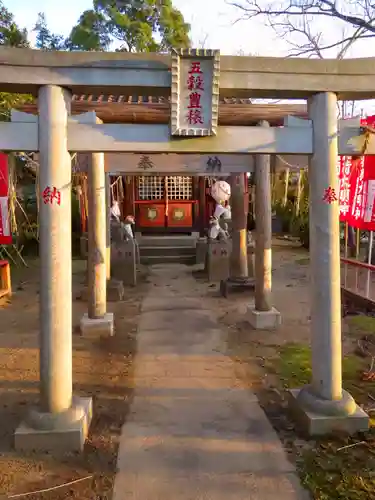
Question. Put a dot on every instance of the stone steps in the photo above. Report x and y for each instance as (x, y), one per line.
(167, 249)
(171, 241)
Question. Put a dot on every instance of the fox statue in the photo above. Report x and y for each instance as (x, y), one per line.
(215, 231)
(127, 228)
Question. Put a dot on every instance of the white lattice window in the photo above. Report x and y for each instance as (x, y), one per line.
(150, 187)
(179, 187)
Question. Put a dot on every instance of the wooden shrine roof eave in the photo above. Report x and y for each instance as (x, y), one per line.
(159, 113)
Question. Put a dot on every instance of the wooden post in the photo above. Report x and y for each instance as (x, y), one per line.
(299, 192)
(286, 186)
(202, 205)
(108, 224)
(97, 232)
(6, 287)
(262, 315)
(263, 230)
(238, 256)
(98, 322)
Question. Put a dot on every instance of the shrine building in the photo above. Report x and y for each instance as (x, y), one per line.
(168, 204)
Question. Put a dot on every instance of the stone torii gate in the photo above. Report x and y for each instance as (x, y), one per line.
(61, 420)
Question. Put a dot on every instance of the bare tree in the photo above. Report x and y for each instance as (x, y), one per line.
(301, 22)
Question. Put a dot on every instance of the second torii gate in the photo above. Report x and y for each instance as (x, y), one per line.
(62, 420)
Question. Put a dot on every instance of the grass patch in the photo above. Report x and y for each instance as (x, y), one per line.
(294, 366)
(328, 472)
(361, 324)
(334, 474)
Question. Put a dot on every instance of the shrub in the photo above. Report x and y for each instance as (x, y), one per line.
(285, 214)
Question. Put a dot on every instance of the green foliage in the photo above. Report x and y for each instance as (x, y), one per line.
(10, 34)
(90, 33)
(45, 40)
(9, 101)
(294, 366)
(295, 224)
(139, 26)
(332, 472)
(300, 228)
(359, 325)
(285, 214)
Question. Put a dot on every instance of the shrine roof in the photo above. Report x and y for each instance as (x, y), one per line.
(156, 110)
(132, 99)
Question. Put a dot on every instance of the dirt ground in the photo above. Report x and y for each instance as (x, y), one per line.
(290, 295)
(102, 369)
(334, 468)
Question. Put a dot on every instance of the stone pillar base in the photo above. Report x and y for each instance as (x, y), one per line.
(236, 285)
(69, 437)
(124, 262)
(97, 327)
(201, 250)
(314, 423)
(115, 290)
(263, 320)
(137, 253)
(217, 260)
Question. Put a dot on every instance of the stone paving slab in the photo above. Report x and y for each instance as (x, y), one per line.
(194, 431)
(189, 320)
(244, 486)
(160, 304)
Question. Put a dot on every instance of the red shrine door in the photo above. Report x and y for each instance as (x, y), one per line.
(165, 203)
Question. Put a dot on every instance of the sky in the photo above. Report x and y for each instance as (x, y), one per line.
(209, 18)
(212, 21)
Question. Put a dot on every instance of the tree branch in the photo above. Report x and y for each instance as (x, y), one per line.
(293, 21)
(325, 8)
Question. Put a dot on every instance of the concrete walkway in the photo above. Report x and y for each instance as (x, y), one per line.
(193, 433)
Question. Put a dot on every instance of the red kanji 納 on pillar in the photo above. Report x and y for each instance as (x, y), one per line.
(51, 195)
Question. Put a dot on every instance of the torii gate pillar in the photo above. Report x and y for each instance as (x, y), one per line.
(323, 406)
(61, 421)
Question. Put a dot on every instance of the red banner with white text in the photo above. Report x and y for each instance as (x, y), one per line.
(5, 232)
(357, 188)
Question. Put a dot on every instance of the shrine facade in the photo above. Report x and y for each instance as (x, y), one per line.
(171, 204)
